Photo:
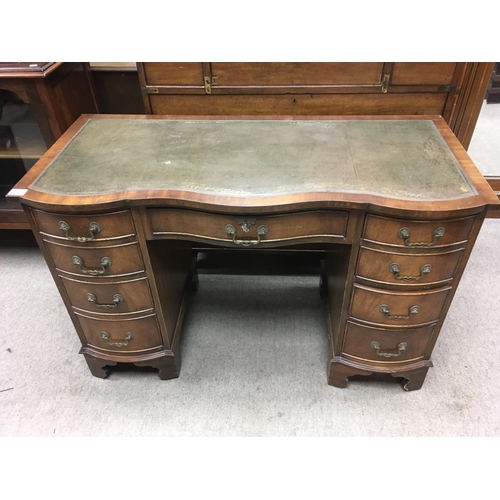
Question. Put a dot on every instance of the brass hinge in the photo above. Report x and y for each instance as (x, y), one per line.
(385, 83)
(447, 88)
(150, 90)
(208, 84)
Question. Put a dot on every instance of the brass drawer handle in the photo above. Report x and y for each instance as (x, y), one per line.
(123, 343)
(117, 298)
(93, 229)
(389, 353)
(394, 268)
(261, 231)
(404, 234)
(105, 263)
(384, 309)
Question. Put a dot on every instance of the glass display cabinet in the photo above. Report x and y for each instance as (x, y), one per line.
(38, 102)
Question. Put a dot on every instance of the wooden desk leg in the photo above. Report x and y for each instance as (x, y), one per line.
(339, 373)
(97, 365)
(168, 365)
(414, 379)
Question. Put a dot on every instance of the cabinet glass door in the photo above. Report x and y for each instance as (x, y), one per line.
(21, 145)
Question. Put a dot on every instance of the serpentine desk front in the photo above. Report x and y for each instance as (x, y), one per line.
(117, 203)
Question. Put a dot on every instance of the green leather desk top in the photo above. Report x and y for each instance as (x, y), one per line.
(405, 159)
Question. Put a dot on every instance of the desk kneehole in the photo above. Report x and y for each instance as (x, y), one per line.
(247, 230)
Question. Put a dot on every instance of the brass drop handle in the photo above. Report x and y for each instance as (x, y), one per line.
(261, 231)
(93, 229)
(404, 234)
(105, 263)
(385, 310)
(117, 298)
(122, 343)
(395, 269)
(389, 353)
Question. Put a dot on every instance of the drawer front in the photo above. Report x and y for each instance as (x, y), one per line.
(94, 227)
(126, 336)
(407, 269)
(98, 261)
(245, 230)
(386, 346)
(397, 309)
(414, 234)
(109, 298)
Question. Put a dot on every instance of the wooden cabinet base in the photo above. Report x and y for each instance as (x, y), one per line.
(340, 369)
(167, 363)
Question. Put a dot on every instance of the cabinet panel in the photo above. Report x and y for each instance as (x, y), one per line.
(164, 73)
(310, 104)
(423, 73)
(287, 74)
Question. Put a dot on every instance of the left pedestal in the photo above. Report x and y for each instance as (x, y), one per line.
(106, 278)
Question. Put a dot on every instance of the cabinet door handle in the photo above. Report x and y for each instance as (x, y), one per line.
(117, 298)
(404, 234)
(394, 268)
(389, 353)
(105, 263)
(386, 311)
(93, 229)
(121, 343)
(261, 231)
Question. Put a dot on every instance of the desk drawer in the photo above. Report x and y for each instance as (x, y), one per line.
(415, 234)
(109, 298)
(76, 228)
(386, 346)
(126, 336)
(248, 230)
(397, 309)
(407, 269)
(98, 261)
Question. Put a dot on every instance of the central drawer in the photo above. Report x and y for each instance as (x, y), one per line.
(248, 230)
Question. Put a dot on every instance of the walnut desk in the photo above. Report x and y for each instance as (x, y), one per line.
(117, 203)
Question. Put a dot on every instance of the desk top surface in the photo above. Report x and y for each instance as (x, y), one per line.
(402, 161)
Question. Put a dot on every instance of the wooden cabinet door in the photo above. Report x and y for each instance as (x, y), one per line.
(286, 76)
